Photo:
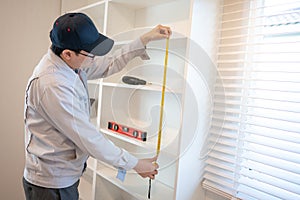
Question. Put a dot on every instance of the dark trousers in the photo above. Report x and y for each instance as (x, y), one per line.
(33, 192)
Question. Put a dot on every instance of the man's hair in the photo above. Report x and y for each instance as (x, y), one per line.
(57, 51)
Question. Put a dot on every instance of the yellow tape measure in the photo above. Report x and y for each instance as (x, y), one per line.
(162, 103)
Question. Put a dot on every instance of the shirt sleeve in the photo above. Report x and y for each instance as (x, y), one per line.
(61, 105)
(111, 63)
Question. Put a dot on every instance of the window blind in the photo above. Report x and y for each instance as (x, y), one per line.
(254, 143)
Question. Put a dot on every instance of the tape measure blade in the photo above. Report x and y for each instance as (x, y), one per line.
(162, 99)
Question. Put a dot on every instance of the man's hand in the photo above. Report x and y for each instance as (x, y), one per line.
(147, 167)
(157, 33)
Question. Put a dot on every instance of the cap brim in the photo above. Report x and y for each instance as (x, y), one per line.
(101, 47)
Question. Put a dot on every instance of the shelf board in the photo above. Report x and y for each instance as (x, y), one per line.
(176, 38)
(129, 3)
(148, 87)
(87, 6)
(150, 144)
(141, 3)
(96, 81)
(134, 184)
(126, 138)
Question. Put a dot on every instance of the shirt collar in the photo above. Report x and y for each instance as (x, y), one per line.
(59, 63)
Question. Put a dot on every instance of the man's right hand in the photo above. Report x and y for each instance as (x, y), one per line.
(147, 167)
(157, 33)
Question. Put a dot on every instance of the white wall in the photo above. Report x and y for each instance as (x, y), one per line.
(205, 21)
(25, 26)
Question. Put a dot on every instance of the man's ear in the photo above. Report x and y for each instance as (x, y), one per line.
(66, 54)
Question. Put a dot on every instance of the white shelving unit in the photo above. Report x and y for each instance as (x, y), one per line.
(138, 106)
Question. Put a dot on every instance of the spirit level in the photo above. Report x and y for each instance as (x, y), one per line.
(128, 131)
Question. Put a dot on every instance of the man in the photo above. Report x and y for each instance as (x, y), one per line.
(58, 134)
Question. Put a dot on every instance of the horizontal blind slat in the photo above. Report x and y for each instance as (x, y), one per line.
(269, 189)
(274, 143)
(272, 161)
(247, 192)
(273, 171)
(221, 181)
(216, 170)
(275, 124)
(282, 155)
(222, 165)
(222, 157)
(270, 132)
(289, 117)
(287, 186)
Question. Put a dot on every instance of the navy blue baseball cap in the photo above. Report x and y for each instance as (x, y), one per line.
(76, 31)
